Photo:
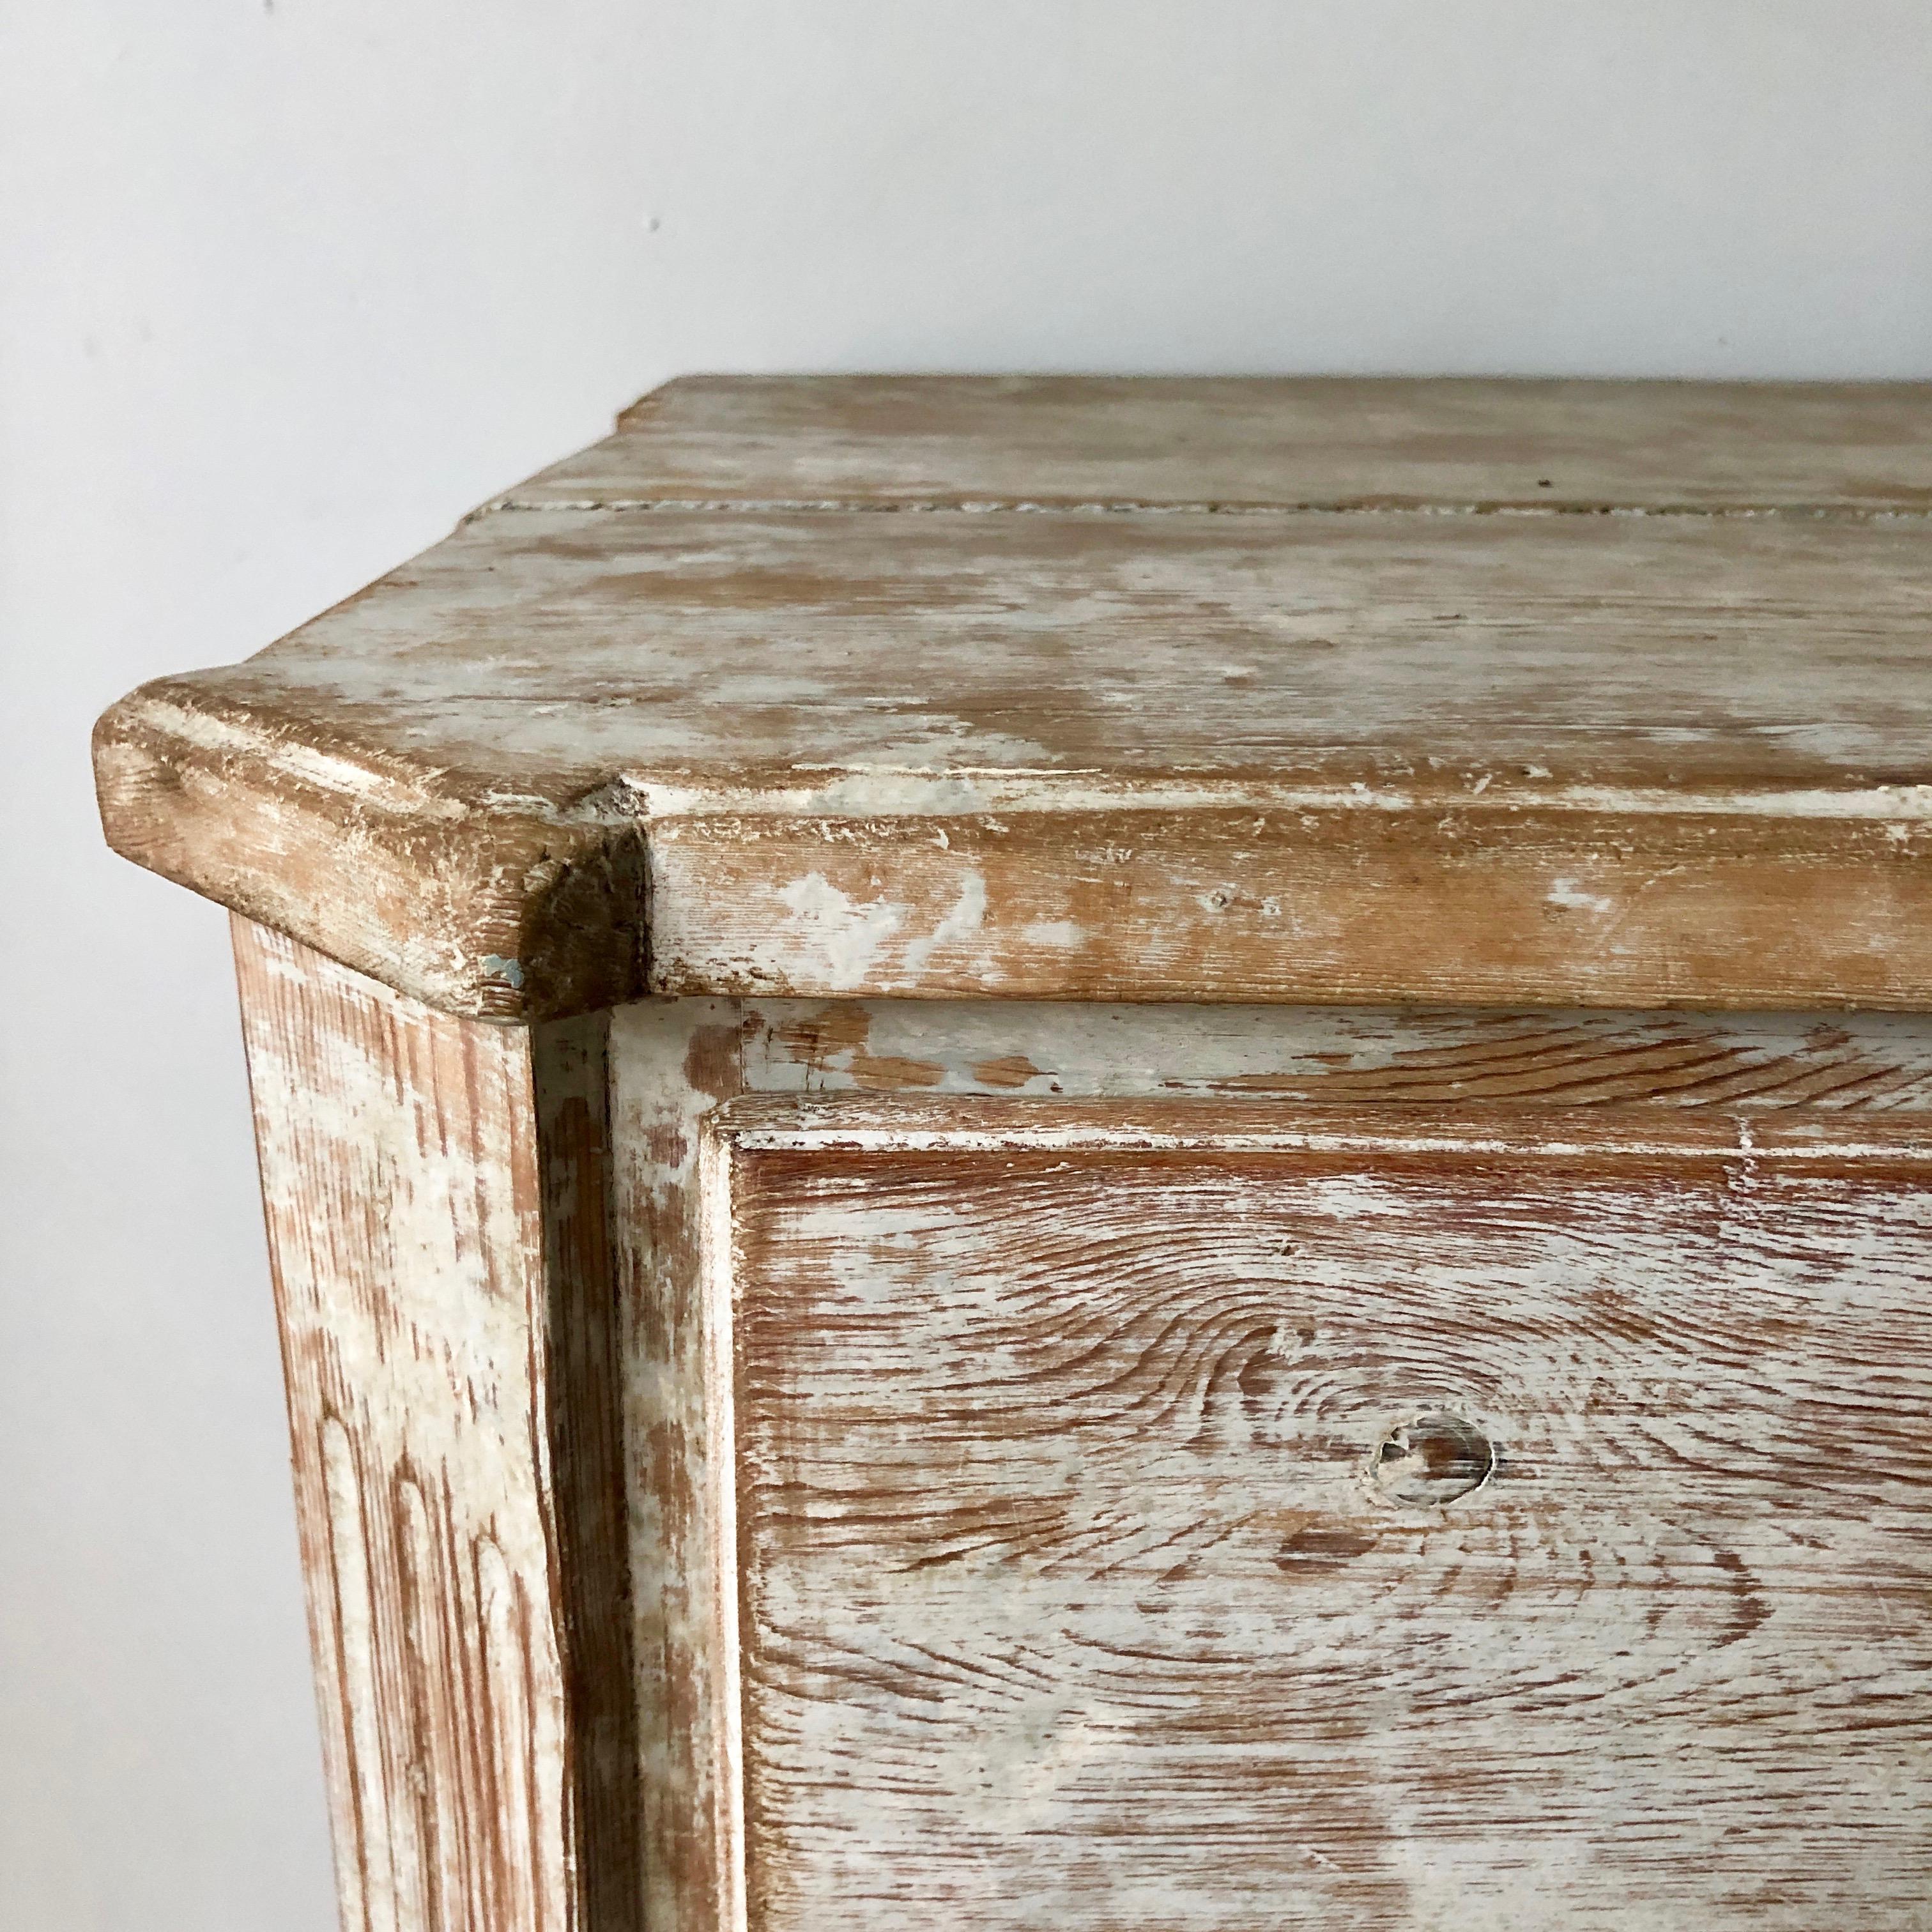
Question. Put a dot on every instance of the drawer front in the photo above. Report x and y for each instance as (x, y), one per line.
(1249, 1517)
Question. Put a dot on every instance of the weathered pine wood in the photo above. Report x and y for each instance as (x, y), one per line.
(1418, 901)
(393, 1139)
(1206, 1514)
(437, 1194)
(1400, 1453)
(920, 441)
(1462, 1056)
(671, 1061)
(570, 757)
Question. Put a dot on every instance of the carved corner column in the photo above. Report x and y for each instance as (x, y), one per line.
(437, 1196)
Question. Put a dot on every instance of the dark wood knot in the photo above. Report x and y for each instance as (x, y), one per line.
(1433, 1459)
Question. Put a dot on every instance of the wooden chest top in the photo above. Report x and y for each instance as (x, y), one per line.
(1560, 693)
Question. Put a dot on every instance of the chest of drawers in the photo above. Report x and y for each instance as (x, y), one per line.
(1108, 1154)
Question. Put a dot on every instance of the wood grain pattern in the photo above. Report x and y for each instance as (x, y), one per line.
(672, 1061)
(1425, 903)
(437, 1201)
(566, 758)
(1403, 1055)
(387, 1155)
(1256, 443)
(1069, 1598)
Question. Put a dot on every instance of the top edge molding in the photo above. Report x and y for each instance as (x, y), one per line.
(1462, 692)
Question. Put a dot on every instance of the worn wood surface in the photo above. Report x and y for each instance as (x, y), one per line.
(1424, 902)
(437, 1199)
(1206, 1514)
(1256, 443)
(672, 1061)
(436, 1193)
(569, 756)
(1742, 1062)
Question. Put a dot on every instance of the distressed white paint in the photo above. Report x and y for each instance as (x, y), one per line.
(1257, 1127)
(445, 1396)
(1741, 1061)
(1431, 651)
(1069, 1603)
(963, 920)
(671, 1059)
(969, 792)
(1572, 898)
(716, 1290)
(1436, 717)
(1192, 445)
(842, 934)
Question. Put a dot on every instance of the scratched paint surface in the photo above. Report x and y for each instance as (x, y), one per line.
(418, 1170)
(921, 441)
(672, 1061)
(437, 1223)
(1103, 739)
(1069, 1598)
(537, 657)
(1403, 1055)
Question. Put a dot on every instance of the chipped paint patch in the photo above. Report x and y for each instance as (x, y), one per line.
(1567, 893)
(965, 917)
(1060, 932)
(842, 934)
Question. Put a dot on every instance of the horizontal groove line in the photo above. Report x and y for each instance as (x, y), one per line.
(1913, 1147)
(1021, 506)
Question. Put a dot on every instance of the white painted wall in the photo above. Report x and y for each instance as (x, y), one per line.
(285, 285)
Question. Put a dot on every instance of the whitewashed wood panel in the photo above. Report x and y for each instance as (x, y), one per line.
(438, 1214)
(1037, 1050)
(915, 442)
(565, 759)
(1080, 1585)
(672, 1061)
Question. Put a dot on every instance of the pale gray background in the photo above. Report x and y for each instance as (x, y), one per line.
(287, 285)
